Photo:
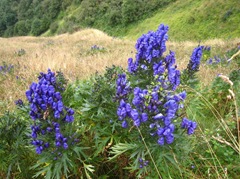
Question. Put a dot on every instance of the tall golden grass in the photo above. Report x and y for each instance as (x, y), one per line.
(71, 53)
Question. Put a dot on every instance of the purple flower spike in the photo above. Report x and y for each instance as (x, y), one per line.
(46, 105)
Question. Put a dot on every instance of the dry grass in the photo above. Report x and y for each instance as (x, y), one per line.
(71, 53)
(206, 73)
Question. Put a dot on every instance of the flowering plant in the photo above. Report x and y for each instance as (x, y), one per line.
(151, 100)
(148, 94)
(189, 74)
(53, 131)
(49, 114)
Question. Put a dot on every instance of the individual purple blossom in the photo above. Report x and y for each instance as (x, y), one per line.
(124, 110)
(217, 59)
(174, 77)
(65, 145)
(125, 124)
(161, 141)
(122, 87)
(158, 116)
(135, 117)
(143, 163)
(158, 68)
(19, 102)
(132, 66)
(139, 96)
(210, 61)
(189, 125)
(170, 59)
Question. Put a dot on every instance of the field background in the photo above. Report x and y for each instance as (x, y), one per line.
(72, 54)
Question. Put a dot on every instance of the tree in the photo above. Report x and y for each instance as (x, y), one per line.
(36, 28)
(21, 28)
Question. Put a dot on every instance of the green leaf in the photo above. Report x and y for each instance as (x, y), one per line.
(121, 148)
(87, 169)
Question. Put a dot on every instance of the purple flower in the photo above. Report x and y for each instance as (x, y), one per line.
(65, 145)
(69, 118)
(144, 117)
(170, 59)
(122, 88)
(57, 114)
(158, 68)
(124, 110)
(154, 80)
(210, 61)
(139, 96)
(149, 46)
(189, 125)
(158, 116)
(45, 100)
(19, 102)
(195, 59)
(161, 141)
(169, 138)
(132, 66)
(125, 124)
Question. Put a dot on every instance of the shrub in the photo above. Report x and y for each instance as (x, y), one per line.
(36, 28)
(21, 29)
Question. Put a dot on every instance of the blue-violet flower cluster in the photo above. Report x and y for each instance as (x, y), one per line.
(195, 60)
(153, 78)
(48, 113)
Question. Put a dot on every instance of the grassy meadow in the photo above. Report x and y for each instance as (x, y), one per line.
(72, 54)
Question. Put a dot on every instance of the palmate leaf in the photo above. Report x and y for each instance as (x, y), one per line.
(79, 150)
(121, 148)
(87, 169)
(101, 144)
(66, 162)
(43, 170)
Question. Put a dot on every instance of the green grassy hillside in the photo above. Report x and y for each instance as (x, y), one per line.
(194, 20)
(187, 19)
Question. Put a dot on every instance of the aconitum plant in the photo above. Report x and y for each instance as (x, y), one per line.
(189, 74)
(50, 116)
(195, 60)
(147, 93)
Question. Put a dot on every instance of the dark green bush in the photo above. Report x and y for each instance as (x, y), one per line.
(21, 28)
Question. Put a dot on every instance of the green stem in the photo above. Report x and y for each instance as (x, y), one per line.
(237, 120)
(149, 154)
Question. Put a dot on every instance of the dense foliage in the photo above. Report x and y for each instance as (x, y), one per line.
(26, 17)
(29, 17)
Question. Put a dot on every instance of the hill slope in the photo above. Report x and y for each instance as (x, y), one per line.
(194, 20)
(187, 19)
